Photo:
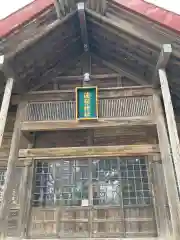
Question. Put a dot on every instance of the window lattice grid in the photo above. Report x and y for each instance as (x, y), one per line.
(62, 183)
(121, 181)
(115, 181)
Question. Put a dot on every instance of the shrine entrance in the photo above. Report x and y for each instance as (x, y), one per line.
(92, 198)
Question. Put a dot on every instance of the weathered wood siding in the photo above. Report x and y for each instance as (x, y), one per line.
(4, 150)
(13, 224)
(101, 137)
(97, 68)
(106, 222)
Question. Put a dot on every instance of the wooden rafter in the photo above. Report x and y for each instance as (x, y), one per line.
(122, 72)
(64, 7)
(49, 75)
(99, 6)
(114, 26)
(48, 29)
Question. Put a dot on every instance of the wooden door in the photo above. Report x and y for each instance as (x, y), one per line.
(95, 198)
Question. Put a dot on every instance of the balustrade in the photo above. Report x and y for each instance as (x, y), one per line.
(121, 105)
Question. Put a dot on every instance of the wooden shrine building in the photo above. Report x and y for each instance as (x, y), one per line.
(89, 125)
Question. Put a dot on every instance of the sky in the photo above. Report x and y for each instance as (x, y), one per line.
(170, 5)
(7, 7)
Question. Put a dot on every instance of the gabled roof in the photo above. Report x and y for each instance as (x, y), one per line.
(139, 7)
(23, 16)
(129, 42)
(165, 18)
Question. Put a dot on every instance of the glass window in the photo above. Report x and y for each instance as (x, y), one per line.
(112, 181)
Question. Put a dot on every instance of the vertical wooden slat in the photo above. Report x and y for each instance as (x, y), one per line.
(108, 108)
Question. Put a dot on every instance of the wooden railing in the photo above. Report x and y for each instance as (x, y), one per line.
(113, 103)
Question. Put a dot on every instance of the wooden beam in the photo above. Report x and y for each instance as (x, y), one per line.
(84, 36)
(93, 77)
(98, 6)
(116, 27)
(168, 168)
(70, 94)
(48, 29)
(121, 71)
(74, 50)
(101, 123)
(63, 7)
(85, 152)
(163, 59)
(171, 123)
(5, 106)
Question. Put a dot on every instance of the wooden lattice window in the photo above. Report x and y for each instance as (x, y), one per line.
(111, 181)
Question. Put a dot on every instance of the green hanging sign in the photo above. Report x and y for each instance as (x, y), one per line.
(86, 103)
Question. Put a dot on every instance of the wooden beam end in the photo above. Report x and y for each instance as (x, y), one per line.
(80, 6)
(167, 48)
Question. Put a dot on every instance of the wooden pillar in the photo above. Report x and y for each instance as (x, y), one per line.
(160, 198)
(171, 123)
(168, 168)
(161, 77)
(5, 106)
(25, 198)
(13, 157)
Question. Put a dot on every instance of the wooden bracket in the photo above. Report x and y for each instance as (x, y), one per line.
(163, 59)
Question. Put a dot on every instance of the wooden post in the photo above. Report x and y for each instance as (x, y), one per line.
(5, 106)
(171, 123)
(13, 157)
(160, 198)
(168, 168)
(25, 198)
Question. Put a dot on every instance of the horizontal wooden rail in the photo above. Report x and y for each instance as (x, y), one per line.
(70, 94)
(73, 124)
(84, 152)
